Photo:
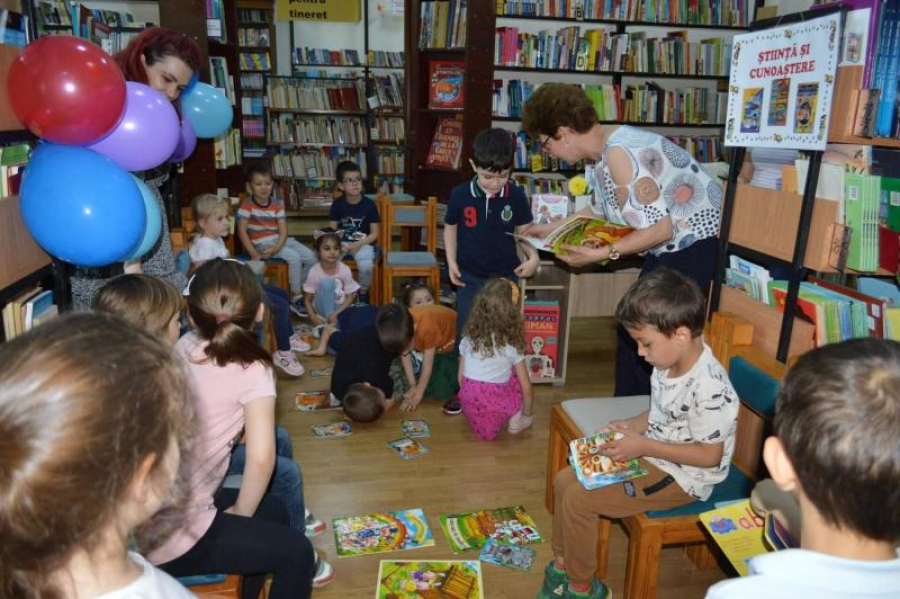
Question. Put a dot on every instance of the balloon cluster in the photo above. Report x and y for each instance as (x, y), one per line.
(78, 199)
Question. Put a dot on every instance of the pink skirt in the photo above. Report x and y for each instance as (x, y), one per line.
(488, 406)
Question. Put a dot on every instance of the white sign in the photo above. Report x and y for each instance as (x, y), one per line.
(779, 94)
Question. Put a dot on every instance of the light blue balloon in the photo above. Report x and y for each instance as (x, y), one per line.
(154, 221)
(80, 206)
(207, 109)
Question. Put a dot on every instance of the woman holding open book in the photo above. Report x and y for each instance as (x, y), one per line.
(642, 180)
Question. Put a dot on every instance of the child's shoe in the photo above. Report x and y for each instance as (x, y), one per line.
(314, 526)
(598, 590)
(519, 422)
(288, 363)
(299, 308)
(452, 407)
(555, 582)
(324, 573)
(298, 344)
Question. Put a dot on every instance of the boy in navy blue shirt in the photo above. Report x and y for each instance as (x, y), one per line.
(357, 217)
(480, 216)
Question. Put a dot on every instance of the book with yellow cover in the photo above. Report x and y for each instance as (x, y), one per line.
(738, 531)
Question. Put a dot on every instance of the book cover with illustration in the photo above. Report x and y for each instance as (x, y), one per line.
(449, 579)
(805, 107)
(540, 321)
(446, 145)
(381, 532)
(547, 208)
(751, 107)
(314, 401)
(778, 102)
(415, 428)
(333, 430)
(738, 531)
(408, 448)
(580, 230)
(517, 557)
(447, 84)
(471, 530)
(593, 468)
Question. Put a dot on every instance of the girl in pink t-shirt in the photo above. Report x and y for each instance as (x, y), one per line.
(234, 531)
(329, 288)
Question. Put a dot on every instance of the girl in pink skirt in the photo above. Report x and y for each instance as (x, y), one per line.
(493, 379)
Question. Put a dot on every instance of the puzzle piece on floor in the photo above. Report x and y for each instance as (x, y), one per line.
(321, 372)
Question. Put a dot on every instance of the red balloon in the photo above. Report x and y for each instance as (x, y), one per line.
(67, 90)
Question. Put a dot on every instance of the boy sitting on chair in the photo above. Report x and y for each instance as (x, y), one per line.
(684, 441)
(837, 422)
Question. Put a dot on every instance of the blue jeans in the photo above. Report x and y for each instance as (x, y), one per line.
(465, 296)
(278, 301)
(287, 480)
(324, 302)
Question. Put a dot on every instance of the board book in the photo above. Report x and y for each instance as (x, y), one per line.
(415, 428)
(580, 230)
(314, 401)
(332, 431)
(381, 532)
(471, 530)
(408, 448)
(517, 557)
(595, 470)
(445, 579)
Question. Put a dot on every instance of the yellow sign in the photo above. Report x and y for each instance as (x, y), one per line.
(318, 10)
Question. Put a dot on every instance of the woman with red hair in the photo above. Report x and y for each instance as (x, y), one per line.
(166, 61)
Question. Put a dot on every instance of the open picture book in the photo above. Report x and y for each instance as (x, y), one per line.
(579, 230)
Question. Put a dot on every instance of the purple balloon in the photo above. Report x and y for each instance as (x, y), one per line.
(187, 141)
(147, 134)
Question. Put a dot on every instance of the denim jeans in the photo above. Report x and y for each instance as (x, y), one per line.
(287, 480)
(324, 302)
(278, 301)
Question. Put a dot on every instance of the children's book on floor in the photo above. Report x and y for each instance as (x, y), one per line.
(415, 428)
(408, 448)
(381, 532)
(471, 530)
(593, 468)
(508, 555)
(332, 431)
(314, 401)
(580, 230)
(451, 579)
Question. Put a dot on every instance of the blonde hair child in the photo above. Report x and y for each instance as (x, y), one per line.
(494, 385)
(87, 456)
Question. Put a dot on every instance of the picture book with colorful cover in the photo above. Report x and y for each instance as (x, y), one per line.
(408, 448)
(447, 84)
(382, 532)
(450, 579)
(333, 430)
(548, 207)
(415, 428)
(540, 320)
(446, 145)
(738, 531)
(471, 530)
(593, 468)
(579, 230)
(314, 401)
(517, 557)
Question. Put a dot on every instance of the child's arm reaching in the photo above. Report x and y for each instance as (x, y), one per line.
(259, 435)
(527, 389)
(414, 396)
(532, 261)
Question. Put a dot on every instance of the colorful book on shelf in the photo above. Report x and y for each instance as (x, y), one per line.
(446, 145)
(381, 532)
(457, 579)
(471, 530)
(594, 469)
(862, 199)
(874, 306)
(447, 84)
(738, 531)
(540, 322)
(580, 230)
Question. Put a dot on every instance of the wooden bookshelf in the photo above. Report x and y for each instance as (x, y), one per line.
(847, 85)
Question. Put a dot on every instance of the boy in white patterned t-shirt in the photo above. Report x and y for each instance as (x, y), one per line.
(684, 441)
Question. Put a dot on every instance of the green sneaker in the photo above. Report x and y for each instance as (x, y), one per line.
(598, 591)
(555, 582)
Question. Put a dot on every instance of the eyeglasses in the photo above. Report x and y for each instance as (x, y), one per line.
(544, 143)
(352, 181)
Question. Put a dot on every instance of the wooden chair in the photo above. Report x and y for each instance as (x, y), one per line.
(755, 376)
(408, 263)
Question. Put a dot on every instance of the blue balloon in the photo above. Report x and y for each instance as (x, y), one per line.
(207, 109)
(154, 221)
(80, 206)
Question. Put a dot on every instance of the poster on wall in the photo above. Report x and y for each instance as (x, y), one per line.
(779, 93)
(318, 10)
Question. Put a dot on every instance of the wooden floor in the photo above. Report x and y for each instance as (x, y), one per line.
(359, 474)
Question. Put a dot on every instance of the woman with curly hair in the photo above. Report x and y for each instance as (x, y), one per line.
(643, 180)
(494, 388)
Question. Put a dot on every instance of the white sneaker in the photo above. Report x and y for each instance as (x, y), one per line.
(519, 422)
(298, 344)
(324, 573)
(288, 363)
(314, 526)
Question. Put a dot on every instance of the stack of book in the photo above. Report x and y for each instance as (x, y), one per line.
(27, 310)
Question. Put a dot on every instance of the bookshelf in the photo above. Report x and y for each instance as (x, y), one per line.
(256, 58)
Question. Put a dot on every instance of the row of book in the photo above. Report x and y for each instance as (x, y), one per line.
(442, 24)
(253, 105)
(27, 310)
(344, 130)
(253, 127)
(388, 90)
(13, 160)
(253, 81)
(704, 148)
(299, 93)
(383, 58)
(254, 61)
(529, 157)
(650, 103)
(316, 164)
(603, 50)
(257, 37)
(227, 149)
(254, 148)
(389, 161)
(254, 15)
(389, 184)
(220, 77)
(295, 193)
(215, 21)
(542, 183)
(53, 12)
(325, 57)
(731, 13)
(389, 129)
